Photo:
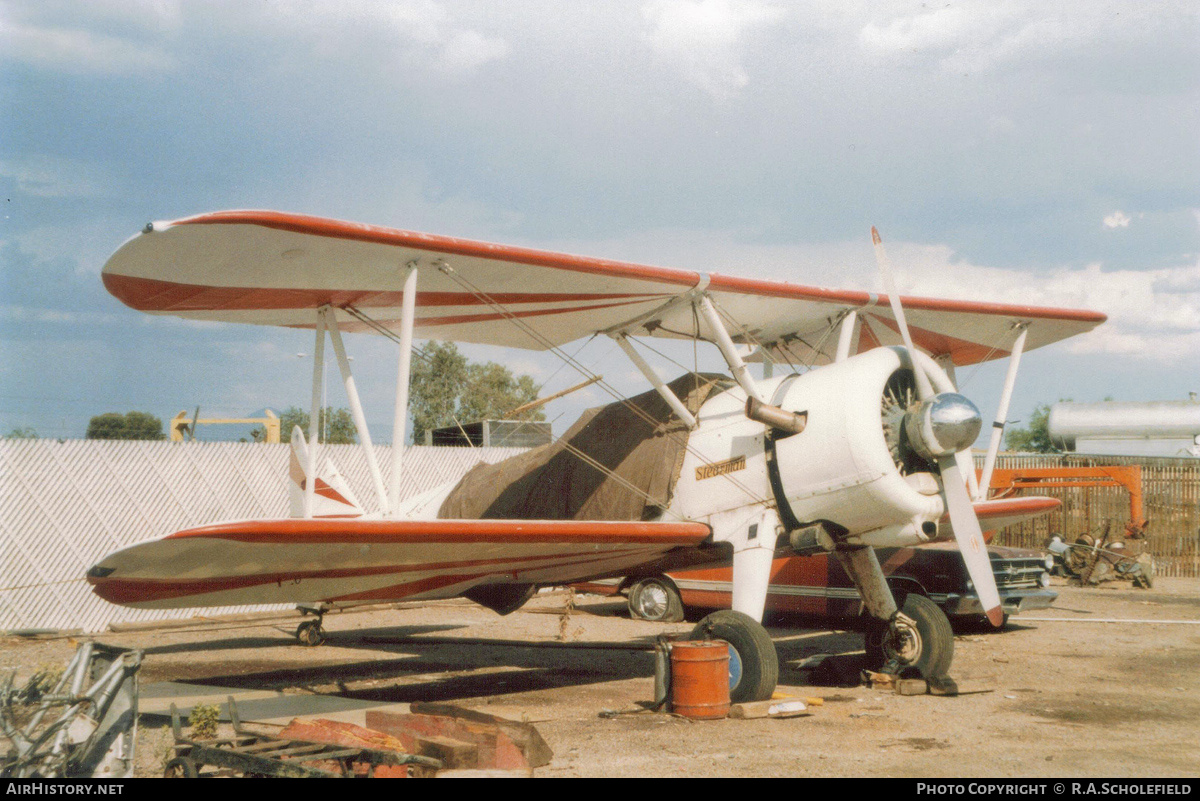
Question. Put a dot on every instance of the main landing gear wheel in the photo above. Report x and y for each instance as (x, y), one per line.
(310, 633)
(753, 663)
(656, 599)
(920, 637)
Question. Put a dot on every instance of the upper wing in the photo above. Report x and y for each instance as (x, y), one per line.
(356, 561)
(273, 268)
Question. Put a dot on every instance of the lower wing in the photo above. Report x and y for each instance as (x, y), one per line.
(358, 561)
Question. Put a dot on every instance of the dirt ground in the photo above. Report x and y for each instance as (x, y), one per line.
(1074, 697)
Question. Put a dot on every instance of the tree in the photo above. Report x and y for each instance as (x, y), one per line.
(1036, 437)
(335, 426)
(446, 386)
(22, 432)
(132, 425)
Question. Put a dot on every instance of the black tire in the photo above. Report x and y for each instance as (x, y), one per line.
(181, 768)
(753, 662)
(309, 633)
(656, 599)
(928, 647)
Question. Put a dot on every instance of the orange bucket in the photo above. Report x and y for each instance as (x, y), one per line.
(700, 679)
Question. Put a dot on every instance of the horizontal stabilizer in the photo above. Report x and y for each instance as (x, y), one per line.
(998, 513)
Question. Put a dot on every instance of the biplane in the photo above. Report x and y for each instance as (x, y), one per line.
(863, 443)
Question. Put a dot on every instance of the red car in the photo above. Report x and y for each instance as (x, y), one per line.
(817, 585)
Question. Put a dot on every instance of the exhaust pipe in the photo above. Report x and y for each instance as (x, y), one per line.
(773, 416)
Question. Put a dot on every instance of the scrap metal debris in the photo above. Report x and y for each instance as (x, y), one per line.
(1109, 557)
(343, 754)
(80, 725)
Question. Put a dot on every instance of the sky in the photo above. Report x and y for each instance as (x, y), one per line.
(1031, 152)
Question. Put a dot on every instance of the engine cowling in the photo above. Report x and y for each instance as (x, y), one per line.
(856, 466)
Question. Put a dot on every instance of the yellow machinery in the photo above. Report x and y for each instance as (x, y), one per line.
(182, 429)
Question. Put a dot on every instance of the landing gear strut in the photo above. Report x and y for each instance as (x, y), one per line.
(918, 636)
(310, 633)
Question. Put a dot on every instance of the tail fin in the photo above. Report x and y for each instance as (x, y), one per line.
(332, 496)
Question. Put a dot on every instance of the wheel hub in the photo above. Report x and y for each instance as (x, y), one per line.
(652, 602)
(903, 641)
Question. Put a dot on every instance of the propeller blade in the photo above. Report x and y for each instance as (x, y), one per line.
(970, 539)
(962, 513)
(924, 388)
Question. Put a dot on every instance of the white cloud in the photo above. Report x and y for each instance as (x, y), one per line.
(77, 50)
(408, 28)
(940, 29)
(467, 50)
(53, 177)
(978, 37)
(1153, 315)
(1118, 219)
(24, 315)
(702, 39)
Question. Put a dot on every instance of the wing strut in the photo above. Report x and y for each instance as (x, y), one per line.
(1010, 378)
(728, 349)
(676, 405)
(848, 336)
(314, 417)
(403, 371)
(360, 419)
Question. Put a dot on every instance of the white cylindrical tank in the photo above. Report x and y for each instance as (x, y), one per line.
(1124, 420)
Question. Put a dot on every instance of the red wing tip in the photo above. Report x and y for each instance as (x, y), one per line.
(996, 616)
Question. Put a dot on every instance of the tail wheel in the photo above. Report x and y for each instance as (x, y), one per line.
(753, 663)
(656, 599)
(925, 641)
(310, 633)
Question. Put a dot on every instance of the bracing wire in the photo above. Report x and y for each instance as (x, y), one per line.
(549, 345)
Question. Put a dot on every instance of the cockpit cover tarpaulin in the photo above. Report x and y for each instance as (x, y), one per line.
(554, 482)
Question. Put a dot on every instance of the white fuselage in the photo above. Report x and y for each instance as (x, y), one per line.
(838, 470)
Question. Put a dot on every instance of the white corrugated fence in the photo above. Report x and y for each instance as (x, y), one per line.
(63, 505)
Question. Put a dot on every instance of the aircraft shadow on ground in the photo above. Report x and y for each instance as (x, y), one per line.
(444, 671)
(283, 636)
(412, 664)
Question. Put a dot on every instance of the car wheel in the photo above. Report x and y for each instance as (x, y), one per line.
(926, 643)
(753, 662)
(656, 599)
